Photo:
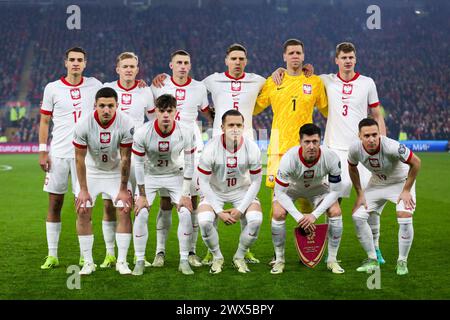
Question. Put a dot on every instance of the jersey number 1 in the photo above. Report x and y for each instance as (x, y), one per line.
(75, 116)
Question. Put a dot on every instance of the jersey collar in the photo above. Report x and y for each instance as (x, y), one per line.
(189, 80)
(352, 79)
(228, 75)
(235, 149)
(376, 151)
(309, 165)
(160, 133)
(108, 124)
(63, 79)
(123, 88)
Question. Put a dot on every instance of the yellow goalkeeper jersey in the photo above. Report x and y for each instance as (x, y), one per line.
(292, 105)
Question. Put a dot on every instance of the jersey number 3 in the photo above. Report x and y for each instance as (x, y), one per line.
(345, 110)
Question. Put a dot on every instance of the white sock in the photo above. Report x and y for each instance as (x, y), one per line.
(405, 237)
(184, 232)
(365, 236)
(334, 237)
(140, 234)
(163, 224)
(123, 243)
(279, 238)
(86, 244)
(109, 232)
(374, 223)
(249, 234)
(211, 238)
(194, 237)
(53, 232)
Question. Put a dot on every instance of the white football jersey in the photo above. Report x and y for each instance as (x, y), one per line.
(192, 97)
(230, 169)
(228, 93)
(387, 164)
(297, 175)
(66, 103)
(347, 106)
(165, 152)
(103, 143)
(135, 102)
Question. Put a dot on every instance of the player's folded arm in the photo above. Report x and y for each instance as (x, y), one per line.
(252, 192)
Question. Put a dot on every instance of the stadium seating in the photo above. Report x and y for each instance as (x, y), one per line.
(407, 58)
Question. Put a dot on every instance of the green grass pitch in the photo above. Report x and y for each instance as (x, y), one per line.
(23, 248)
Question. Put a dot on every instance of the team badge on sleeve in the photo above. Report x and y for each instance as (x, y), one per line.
(401, 149)
(311, 245)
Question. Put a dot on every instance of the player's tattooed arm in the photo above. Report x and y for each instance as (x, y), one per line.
(141, 189)
(125, 156)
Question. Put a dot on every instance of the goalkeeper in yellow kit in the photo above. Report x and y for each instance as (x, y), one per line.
(292, 104)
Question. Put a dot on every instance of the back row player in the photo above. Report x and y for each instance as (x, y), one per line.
(232, 89)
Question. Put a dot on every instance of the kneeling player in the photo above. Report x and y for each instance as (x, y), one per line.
(394, 169)
(103, 139)
(300, 175)
(230, 172)
(163, 141)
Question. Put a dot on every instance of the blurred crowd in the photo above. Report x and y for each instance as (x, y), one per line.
(407, 58)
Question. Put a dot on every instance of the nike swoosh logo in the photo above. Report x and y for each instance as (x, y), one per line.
(345, 98)
(187, 234)
(230, 172)
(252, 235)
(124, 109)
(139, 236)
(279, 88)
(235, 95)
(101, 148)
(75, 104)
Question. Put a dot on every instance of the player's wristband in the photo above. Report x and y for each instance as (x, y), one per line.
(186, 188)
(43, 147)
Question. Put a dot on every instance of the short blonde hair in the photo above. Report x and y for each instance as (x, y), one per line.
(126, 55)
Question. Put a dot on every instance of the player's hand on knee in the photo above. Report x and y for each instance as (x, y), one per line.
(185, 201)
(235, 214)
(141, 203)
(226, 218)
(308, 70)
(125, 197)
(407, 199)
(83, 198)
(277, 76)
(307, 222)
(158, 80)
(360, 201)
